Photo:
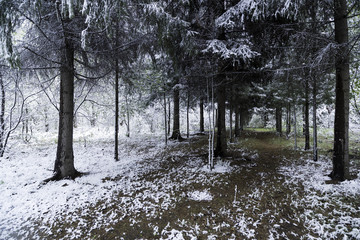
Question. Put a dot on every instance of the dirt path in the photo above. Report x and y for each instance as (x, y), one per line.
(250, 202)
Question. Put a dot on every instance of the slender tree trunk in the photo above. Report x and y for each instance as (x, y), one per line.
(237, 121)
(165, 120)
(93, 116)
(46, 120)
(127, 115)
(187, 115)
(25, 129)
(64, 163)
(306, 116)
(278, 117)
(116, 157)
(265, 119)
(169, 116)
(211, 124)
(295, 128)
(176, 116)
(2, 117)
(315, 150)
(341, 127)
(221, 144)
(202, 129)
(288, 120)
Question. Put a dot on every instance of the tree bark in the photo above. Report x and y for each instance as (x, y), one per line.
(2, 117)
(187, 115)
(341, 127)
(64, 163)
(243, 118)
(221, 144)
(202, 129)
(278, 117)
(231, 124)
(315, 150)
(288, 120)
(169, 117)
(295, 128)
(306, 116)
(116, 151)
(165, 120)
(265, 118)
(176, 117)
(127, 115)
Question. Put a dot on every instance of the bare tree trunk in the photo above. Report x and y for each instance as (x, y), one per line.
(341, 127)
(116, 157)
(2, 117)
(315, 150)
(64, 163)
(221, 144)
(211, 124)
(169, 116)
(295, 128)
(46, 120)
(165, 120)
(265, 119)
(127, 115)
(176, 117)
(202, 129)
(187, 115)
(306, 116)
(288, 120)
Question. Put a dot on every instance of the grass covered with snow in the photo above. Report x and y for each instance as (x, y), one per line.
(263, 190)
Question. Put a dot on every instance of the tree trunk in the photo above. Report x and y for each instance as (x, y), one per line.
(187, 115)
(116, 157)
(221, 144)
(169, 117)
(278, 117)
(265, 118)
(2, 117)
(306, 116)
(64, 163)
(127, 115)
(288, 120)
(202, 129)
(315, 150)
(93, 116)
(165, 120)
(295, 128)
(176, 117)
(46, 120)
(341, 127)
(237, 121)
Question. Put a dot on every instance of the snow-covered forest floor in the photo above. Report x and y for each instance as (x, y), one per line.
(263, 190)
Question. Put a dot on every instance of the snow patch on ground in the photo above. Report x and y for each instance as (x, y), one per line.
(329, 210)
(203, 195)
(23, 196)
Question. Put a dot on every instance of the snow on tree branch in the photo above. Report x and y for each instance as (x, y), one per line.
(234, 49)
(258, 9)
(159, 10)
